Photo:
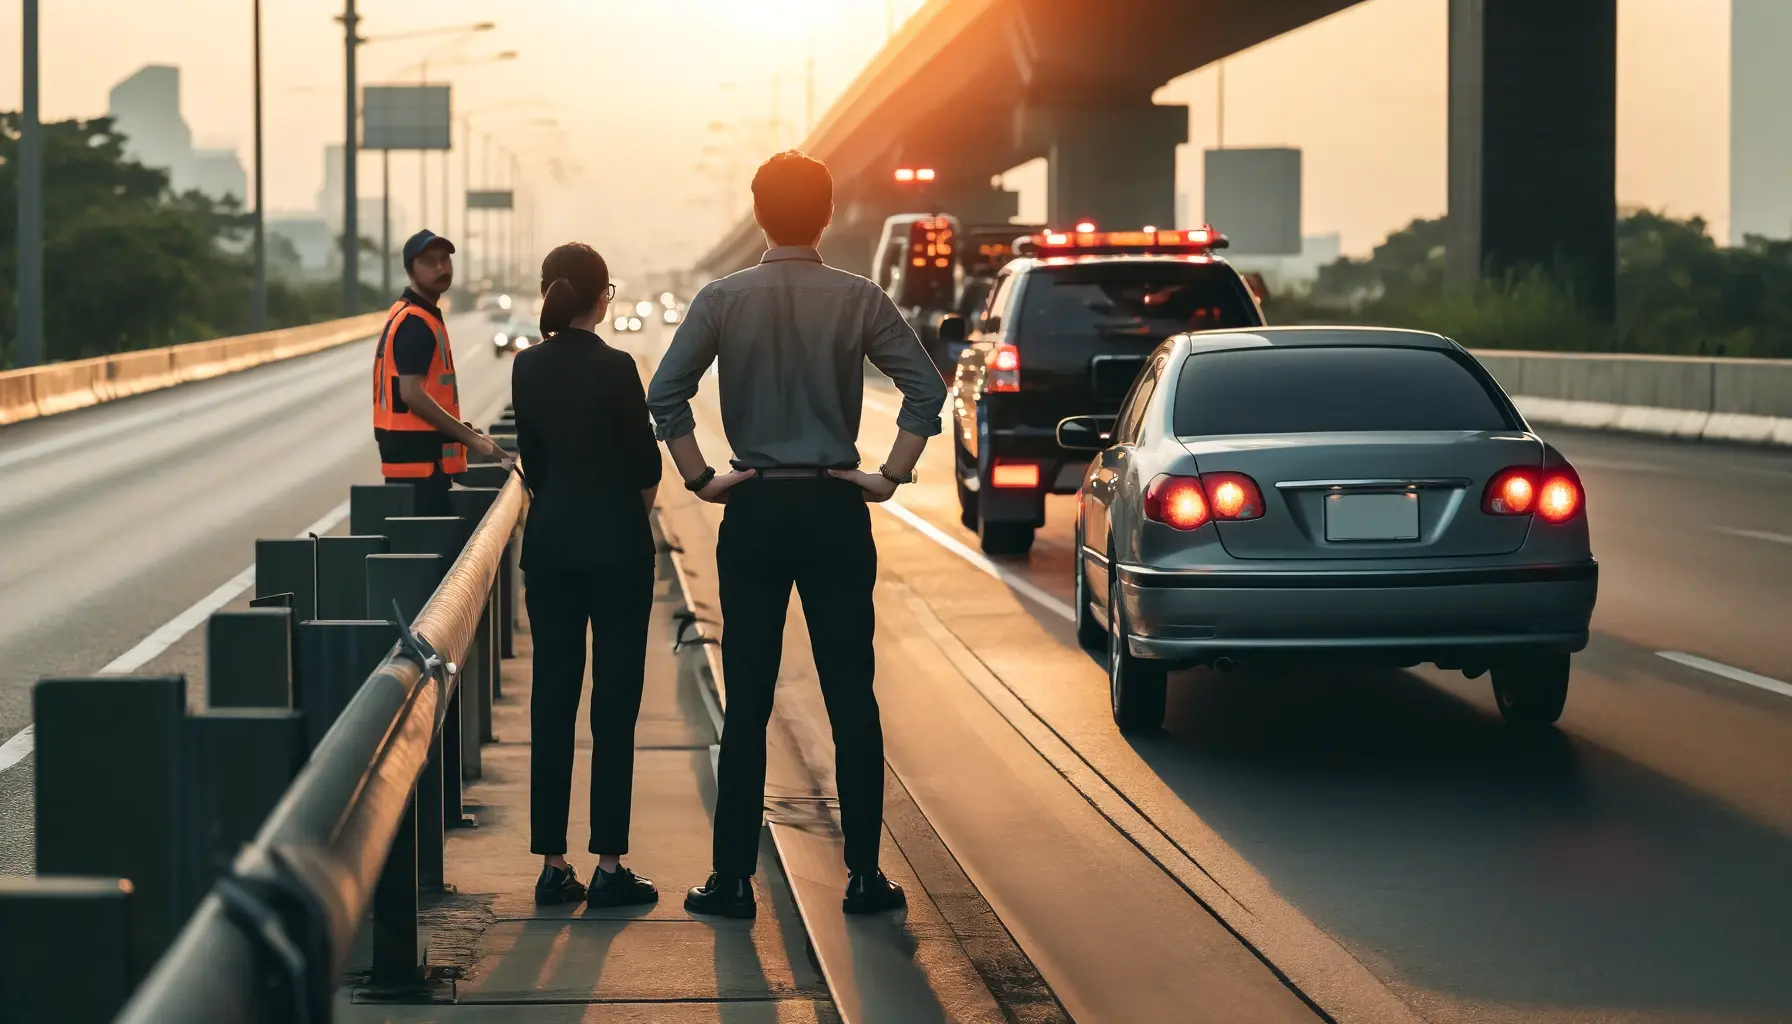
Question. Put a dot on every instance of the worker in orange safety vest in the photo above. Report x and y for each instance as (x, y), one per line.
(416, 397)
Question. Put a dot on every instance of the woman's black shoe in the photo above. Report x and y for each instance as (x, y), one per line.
(722, 896)
(558, 885)
(620, 888)
(872, 894)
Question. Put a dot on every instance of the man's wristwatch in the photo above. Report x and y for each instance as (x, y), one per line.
(884, 471)
(701, 480)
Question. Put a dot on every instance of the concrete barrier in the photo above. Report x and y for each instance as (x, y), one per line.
(1738, 400)
(62, 387)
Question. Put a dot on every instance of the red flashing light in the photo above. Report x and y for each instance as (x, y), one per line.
(905, 174)
(1086, 227)
(1150, 240)
(924, 174)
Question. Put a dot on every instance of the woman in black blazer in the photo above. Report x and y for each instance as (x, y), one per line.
(592, 467)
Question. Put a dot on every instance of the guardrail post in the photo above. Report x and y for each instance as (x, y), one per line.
(245, 759)
(288, 567)
(397, 958)
(342, 575)
(446, 536)
(370, 505)
(249, 659)
(410, 580)
(332, 659)
(112, 757)
(65, 949)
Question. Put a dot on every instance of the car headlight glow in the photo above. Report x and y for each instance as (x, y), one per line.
(500, 339)
(522, 343)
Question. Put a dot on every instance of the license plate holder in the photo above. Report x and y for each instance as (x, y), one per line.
(1356, 518)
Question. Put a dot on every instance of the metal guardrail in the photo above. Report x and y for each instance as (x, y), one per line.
(268, 942)
(61, 387)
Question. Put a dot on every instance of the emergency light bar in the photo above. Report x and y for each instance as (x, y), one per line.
(1065, 243)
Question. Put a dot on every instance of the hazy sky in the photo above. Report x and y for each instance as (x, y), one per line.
(634, 85)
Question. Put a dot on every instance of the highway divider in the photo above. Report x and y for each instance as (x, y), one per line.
(1691, 397)
(60, 387)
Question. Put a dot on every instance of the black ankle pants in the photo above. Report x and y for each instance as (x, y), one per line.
(615, 603)
(814, 535)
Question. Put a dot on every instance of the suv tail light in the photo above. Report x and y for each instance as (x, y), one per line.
(1004, 371)
(1554, 494)
(1014, 474)
(1188, 503)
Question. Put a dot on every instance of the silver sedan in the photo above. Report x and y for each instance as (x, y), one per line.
(1277, 494)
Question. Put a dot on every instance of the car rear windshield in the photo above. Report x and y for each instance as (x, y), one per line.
(1288, 390)
(1152, 299)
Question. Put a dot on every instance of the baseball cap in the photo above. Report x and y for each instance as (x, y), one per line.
(414, 246)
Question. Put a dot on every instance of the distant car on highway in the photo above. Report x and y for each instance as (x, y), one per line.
(1067, 326)
(514, 335)
(1344, 493)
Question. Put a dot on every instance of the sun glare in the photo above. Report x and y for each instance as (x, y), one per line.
(786, 18)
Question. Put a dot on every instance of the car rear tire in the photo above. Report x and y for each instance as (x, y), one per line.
(1005, 538)
(967, 498)
(1135, 685)
(1089, 634)
(1532, 689)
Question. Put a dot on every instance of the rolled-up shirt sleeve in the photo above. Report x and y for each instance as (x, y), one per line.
(892, 347)
(675, 382)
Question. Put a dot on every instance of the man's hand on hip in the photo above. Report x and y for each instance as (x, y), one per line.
(716, 491)
(876, 486)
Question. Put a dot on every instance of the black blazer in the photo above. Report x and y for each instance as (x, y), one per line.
(588, 452)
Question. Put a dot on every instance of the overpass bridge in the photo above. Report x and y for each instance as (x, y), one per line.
(973, 88)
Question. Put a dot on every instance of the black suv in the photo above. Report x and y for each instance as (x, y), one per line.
(1064, 332)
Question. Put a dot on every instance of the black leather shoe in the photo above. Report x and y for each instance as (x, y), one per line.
(872, 894)
(722, 896)
(621, 888)
(558, 885)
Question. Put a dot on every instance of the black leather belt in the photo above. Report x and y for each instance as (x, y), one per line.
(792, 473)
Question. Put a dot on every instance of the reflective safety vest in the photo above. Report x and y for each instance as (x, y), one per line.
(410, 448)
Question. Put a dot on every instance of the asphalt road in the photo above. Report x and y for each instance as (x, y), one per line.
(1630, 866)
(117, 518)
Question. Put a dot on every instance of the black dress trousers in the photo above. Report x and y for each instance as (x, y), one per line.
(815, 535)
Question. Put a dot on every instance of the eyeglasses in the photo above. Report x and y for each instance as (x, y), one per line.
(610, 293)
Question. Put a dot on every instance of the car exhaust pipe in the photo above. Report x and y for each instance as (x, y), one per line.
(1225, 664)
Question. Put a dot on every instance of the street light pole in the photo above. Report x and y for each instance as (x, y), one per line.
(260, 312)
(351, 231)
(28, 350)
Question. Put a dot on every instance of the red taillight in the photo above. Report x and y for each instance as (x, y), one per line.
(1553, 494)
(1004, 371)
(1014, 474)
(1177, 501)
(1559, 498)
(1233, 496)
(1512, 492)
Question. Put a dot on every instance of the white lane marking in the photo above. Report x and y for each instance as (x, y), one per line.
(950, 543)
(1775, 538)
(23, 742)
(1768, 683)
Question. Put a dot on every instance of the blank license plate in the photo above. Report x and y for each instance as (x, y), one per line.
(1372, 517)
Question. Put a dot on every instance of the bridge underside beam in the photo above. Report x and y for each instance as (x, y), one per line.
(1533, 142)
(1113, 161)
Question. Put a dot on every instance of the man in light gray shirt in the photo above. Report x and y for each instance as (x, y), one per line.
(790, 337)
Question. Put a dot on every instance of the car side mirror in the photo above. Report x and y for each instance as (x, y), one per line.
(1086, 433)
(952, 330)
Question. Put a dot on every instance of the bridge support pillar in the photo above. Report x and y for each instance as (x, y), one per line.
(1112, 161)
(1533, 142)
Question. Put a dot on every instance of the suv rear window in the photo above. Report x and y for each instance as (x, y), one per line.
(1286, 390)
(1153, 299)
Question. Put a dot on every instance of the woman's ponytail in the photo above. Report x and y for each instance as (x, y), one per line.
(574, 281)
(559, 304)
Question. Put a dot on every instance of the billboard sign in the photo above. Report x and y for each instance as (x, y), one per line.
(1253, 198)
(490, 200)
(405, 117)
